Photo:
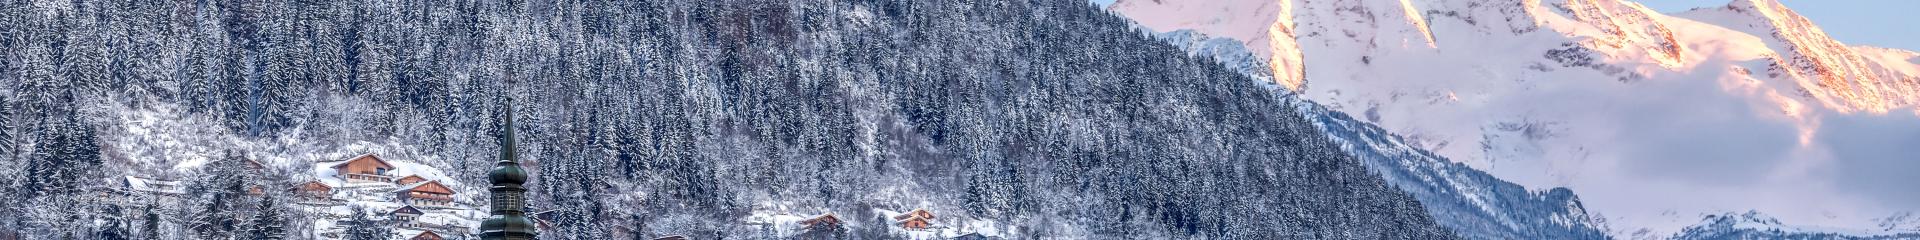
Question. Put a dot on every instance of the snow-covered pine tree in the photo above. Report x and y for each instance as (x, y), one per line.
(150, 226)
(216, 220)
(221, 184)
(7, 126)
(84, 54)
(363, 225)
(270, 221)
(66, 153)
(877, 228)
(204, 64)
(115, 227)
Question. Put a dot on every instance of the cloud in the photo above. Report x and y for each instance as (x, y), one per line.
(1675, 132)
(1875, 155)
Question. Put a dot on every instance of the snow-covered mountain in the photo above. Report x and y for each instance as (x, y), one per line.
(1472, 203)
(1756, 225)
(1713, 109)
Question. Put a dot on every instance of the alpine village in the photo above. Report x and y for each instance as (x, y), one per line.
(370, 194)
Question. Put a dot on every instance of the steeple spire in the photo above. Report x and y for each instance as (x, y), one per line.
(509, 219)
(508, 151)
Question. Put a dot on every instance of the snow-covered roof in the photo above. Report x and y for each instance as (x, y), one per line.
(827, 218)
(154, 185)
(407, 233)
(917, 212)
(410, 187)
(362, 156)
(443, 219)
(425, 233)
(404, 209)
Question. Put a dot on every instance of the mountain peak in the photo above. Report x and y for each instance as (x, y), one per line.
(1828, 71)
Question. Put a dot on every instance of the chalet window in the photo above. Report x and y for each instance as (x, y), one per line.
(381, 171)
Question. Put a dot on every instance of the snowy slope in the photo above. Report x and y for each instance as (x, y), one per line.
(1470, 202)
(1718, 109)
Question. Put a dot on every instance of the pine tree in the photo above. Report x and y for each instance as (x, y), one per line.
(151, 228)
(363, 225)
(202, 68)
(215, 221)
(878, 228)
(116, 227)
(6, 130)
(224, 182)
(67, 152)
(270, 223)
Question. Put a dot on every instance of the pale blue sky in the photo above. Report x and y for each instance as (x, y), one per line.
(1884, 23)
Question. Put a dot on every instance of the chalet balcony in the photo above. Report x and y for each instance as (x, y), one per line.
(430, 196)
(313, 195)
(367, 177)
(429, 203)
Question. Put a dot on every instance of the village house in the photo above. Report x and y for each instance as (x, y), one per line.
(426, 235)
(543, 219)
(132, 191)
(428, 193)
(410, 179)
(442, 223)
(918, 219)
(153, 186)
(365, 168)
(313, 191)
(824, 221)
(915, 223)
(405, 216)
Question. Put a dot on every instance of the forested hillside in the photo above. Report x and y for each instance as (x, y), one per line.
(1043, 118)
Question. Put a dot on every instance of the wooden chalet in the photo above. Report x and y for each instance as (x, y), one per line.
(426, 235)
(918, 219)
(915, 223)
(428, 193)
(364, 168)
(313, 190)
(405, 216)
(824, 221)
(410, 179)
(922, 213)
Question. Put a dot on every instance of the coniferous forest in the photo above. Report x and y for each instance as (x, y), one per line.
(640, 119)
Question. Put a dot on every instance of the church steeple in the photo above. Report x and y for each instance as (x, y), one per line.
(509, 219)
